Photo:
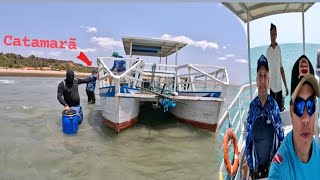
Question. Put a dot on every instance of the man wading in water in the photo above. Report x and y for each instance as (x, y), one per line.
(68, 94)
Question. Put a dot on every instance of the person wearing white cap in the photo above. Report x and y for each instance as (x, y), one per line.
(299, 155)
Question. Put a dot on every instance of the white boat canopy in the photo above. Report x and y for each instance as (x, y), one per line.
(251, 11)
(151, 47)
(259, 10)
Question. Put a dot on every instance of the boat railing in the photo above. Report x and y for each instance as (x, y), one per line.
(132, 77)
(196, 77)
(160, 76)
(188, 77)
(235, 118)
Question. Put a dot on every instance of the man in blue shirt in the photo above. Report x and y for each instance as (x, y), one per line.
(264, 127)
(299, 155)
(119, 66)
(90, 88)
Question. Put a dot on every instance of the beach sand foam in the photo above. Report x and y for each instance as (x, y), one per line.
(38, 73)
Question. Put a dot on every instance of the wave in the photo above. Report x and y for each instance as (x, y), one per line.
(4, 81)
(26, 107)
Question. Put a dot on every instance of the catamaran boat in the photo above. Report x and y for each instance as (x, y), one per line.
(193, 93)
(236, 113)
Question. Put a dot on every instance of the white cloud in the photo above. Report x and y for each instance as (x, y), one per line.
(224, 47)
(202, 44)
(241, 60)
(230, 55)
(86, 49)
(83, 50)
(37, 53)
(55, 53)
(106, 42)
(90, 29)
(226, 57)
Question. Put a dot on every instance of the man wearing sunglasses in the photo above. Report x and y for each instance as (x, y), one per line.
(299, 155)
(264, 127)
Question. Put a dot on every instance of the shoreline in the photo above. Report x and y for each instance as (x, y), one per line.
(38, 73)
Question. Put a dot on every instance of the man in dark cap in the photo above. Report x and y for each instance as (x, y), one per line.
(68, 94)
(90, 88)
(264, 126)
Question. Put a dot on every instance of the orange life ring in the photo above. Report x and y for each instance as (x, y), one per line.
(231, 168)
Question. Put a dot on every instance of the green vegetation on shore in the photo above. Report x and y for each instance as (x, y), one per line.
(11, 60)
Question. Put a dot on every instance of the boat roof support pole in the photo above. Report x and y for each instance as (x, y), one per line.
(166, 61)
(176, 76)
(303, 33)
(249, 60)
(176, 62)
(159, 62)
(130, 49)
(130, 63)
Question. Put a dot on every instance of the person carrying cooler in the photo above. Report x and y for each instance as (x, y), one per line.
(68, 94)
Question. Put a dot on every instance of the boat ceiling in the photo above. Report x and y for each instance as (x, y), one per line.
(151, 47)
(260, 10)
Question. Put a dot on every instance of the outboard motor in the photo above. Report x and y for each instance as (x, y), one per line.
(70, 121)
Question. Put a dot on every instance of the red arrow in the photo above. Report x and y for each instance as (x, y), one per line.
(84, 58)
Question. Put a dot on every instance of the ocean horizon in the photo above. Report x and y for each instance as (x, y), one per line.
(290, 53)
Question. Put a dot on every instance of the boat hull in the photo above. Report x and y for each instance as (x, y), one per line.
(200, 113)
(118, 112)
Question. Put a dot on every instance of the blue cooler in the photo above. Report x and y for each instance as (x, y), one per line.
(70, 121)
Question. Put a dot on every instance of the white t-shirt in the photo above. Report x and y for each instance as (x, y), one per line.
(274, 63)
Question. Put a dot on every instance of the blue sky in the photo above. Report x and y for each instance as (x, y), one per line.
(215, 36)
(289, 27)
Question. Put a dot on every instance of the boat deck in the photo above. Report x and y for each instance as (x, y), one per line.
(140, 97)
(154, 97)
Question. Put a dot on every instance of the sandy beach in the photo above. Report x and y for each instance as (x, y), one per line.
(38, 73)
